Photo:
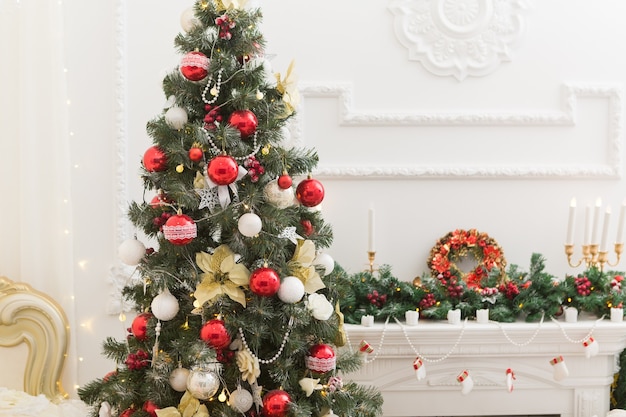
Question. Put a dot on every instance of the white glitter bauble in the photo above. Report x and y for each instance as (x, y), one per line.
(326, 261)
(203, 383)
(241, 400)
(176, 117)
(278, 197)
(131, 251)
(178, 379)
(249, 224)
(188, 20)
(291, 290)
(165, 306)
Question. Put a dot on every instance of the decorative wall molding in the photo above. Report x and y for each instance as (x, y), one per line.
(566, 116)
(459, 37)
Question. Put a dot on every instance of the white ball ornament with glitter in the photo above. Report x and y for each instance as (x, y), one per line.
(178, 379)
(188, 19)
(131, 251)
(326, 261)
(203, 383)
(291, 290)
(241, 400)
(250, 224)
(165, 306)
(278, 197)
(176, 117)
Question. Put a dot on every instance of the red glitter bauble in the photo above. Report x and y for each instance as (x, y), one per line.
(196, 154)
(140, 326)
(154, 159)
(194, 66)
(150, 408)
(245, 121)
(276, 403)
(284, 181)
(321, 358)
(310, 192)
(180, 229)
(127, 413)
(264, 282)
(214, 334)
(223, 170)
(160, 201)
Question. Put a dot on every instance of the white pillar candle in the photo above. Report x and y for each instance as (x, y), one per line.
(617, 314)
(482, 315)
(605, 230)
(570, 222)
(412, 317)
(596, 222)
(454, 316)
(571, 314)
(367, 321)
(620, 224)
(371, 247)
(587, 236)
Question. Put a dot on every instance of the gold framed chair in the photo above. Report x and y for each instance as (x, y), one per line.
(34, 318)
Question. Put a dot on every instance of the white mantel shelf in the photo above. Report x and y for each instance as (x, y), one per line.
(486, 351)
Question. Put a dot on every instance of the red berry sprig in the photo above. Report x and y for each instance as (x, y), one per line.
(254, 167)
(428, 301)
(212, 116)
(226, 23)
(583, 286)
(136, 361)
(510, 290)
(160, 221)
(377, 299)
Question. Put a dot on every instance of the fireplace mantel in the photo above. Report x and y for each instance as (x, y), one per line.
(486, 351)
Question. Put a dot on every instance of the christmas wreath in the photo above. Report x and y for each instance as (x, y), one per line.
(459, 244)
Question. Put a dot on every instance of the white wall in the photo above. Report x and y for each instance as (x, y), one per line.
(512, 177)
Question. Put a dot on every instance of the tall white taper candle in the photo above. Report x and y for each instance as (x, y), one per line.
(605, 230)
(570, 222)
(596, 222)
(371, 231)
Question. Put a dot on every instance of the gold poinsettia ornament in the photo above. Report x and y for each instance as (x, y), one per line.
(189, 406)
(287, 86)
(230, 4)
(301, 266)
(222, 276)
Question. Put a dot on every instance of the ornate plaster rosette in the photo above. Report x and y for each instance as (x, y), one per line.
(459, 244)
(459, 37)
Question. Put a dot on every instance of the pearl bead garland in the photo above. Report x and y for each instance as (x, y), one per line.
(280, 350)
(217, 150)
(441, 359)
(569, 339)
(380, 343)
(213, 90)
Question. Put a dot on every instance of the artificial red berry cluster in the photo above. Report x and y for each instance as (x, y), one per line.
(136, 361)
(510, 290)
(225, 23)
(254, 167)
(160, 220)
(583, 286)
(212, 116)
(616, 283)
(378, 300)
(489, 291)
(224, 355)
(428, 301)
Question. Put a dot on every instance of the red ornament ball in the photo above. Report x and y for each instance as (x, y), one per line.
(196, 154)
(127, 413)
(223, 170)
(214, 334)
(180, 229)
(139, 327)
(264, 282)
(307, 227)
(284, 181)
(160, 201)
(154, 159)
(194, 66)
(310, 192)
(321, 358)
(245, 121)
(276, 403)
(150, 408)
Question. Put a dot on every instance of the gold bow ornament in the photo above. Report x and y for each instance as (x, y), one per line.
(189, 406)
(288, 87)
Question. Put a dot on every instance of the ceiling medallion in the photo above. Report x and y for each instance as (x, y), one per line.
(459, 37)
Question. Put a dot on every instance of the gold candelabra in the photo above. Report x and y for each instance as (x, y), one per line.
(592, 256)
(371, 256)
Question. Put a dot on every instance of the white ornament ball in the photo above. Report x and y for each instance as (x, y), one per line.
(291, 290)
(278, 197)
(188, 20)
(250, 224)
(176, 117)
(326, 261)
(241, 400)
(131, 251)
(165, 306)
(178, 379)
(202, 383)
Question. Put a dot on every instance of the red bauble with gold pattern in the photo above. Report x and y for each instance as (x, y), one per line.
(223, 170)
(310, 192)
(154, 159)
(321, 358)
(194, 66)
(180, 229)
(215, 334)
(276, 403)
(245, 121)
(139, 327)
(264, 282)
(150, 408)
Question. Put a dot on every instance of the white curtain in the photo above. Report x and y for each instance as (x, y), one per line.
(35, 160)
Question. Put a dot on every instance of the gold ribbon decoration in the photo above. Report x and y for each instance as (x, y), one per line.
(222, 276)
(301, 266)
(287, 86)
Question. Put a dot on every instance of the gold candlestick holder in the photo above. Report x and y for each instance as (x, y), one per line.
(371, 256)
(592, 257)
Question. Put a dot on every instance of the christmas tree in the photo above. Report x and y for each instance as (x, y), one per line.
(237, 308)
